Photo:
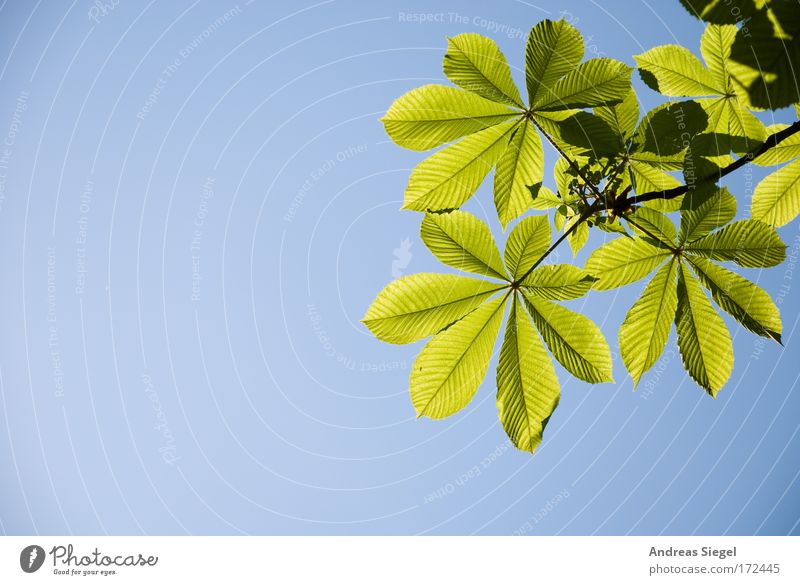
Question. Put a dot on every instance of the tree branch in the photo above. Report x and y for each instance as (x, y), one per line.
(771, 142)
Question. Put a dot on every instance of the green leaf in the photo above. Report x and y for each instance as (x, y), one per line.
(449, 369)
(739, 297)
(622, 117)
(563, 175)
(610, 225)
(715, 211)
(476, 63)
(461, 240)
(663, 134)
(593, 83)
(574, 340)
(419, 305)
(715, 46)
(703, 340)
(741, 123)
(655, 225)
(554, 49)
(527, 386)
(521, 165)
(449, 177)
(623, 261)
(579, 236)
(776, 199)
(580, 134)
(431, 115)
(720, 11)
(543, 198)
(766, 59)
(786, 150)
(558, 282)
(674, 71)
(647, 178)
(749, 243)
(526, 243)
(644, 332)
(733, 126)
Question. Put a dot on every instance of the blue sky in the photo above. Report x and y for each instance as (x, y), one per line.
(198, 204)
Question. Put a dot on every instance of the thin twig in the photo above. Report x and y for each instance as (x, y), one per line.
(571, 162)
(649, 233)
(596, 206)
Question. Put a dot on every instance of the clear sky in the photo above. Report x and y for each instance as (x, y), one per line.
(197, 205)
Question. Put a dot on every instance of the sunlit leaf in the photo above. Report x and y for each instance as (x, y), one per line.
(521, 165)
(527, 386)
(749, 243)
(644, 332)
(623, 261)
(461, 240)
(621, 117)
(431, 115)
(543, 198)
(739, 297)
(703, 340)
(655, 225)
(715, 211)
(788, 149)
(419, 305)
(449, 177)
(558, 282)
(554, 49)
(574, 340)
(715, 46)
(476, 63)
(674, 71)
(593, 83)
(449, 369)
(776, 199)
(526, 244)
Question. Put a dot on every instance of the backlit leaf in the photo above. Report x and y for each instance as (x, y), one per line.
(644, 332)
(449, 369)
(461, 240)
(714, 211)
(574, 340)
(521, 165)
(739, 297)
(431, 115)
(419, 305)
(526, 243)
(749, 243)
(623, 261)
(554, 49)
(449, 177)
(593, 83)
(558, 282)
(476, 63)
(703, 340)
(527, 386)
(776, 199)
(674, 71)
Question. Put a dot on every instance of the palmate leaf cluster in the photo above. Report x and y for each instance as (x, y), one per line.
(621, 172)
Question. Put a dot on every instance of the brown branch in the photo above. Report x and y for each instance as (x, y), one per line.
(771, 142)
